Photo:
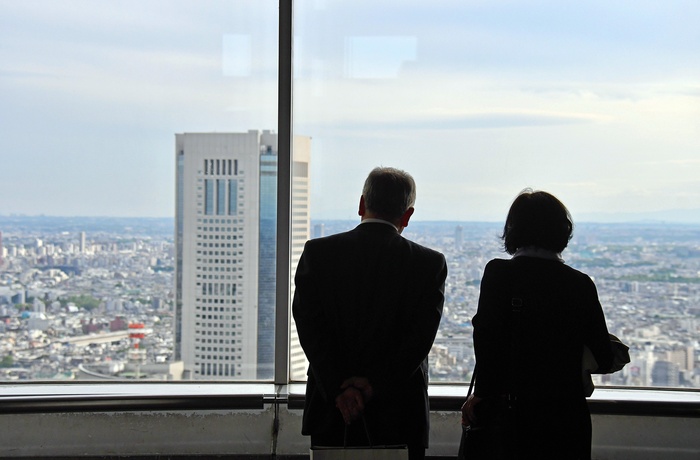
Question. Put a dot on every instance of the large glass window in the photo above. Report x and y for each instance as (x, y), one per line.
(116, 118)
(139, 158)
(596, 102)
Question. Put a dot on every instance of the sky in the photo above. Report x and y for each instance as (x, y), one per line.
(596, 102)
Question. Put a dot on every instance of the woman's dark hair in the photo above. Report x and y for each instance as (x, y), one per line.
(538, 219)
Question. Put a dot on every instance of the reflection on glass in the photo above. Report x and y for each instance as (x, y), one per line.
(96, 281)
(596, 103)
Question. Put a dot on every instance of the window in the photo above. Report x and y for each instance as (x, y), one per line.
(122, 117)
(594, 102)
(146, 112)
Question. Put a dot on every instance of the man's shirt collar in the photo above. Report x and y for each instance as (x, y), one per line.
(382, 221)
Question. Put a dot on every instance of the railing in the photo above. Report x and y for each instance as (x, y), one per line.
(263, 421)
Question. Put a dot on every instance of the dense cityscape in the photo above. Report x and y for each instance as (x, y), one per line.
(73, 290)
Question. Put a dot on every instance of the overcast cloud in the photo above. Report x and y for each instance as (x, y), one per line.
(597, 102)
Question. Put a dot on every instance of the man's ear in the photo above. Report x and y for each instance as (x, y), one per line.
(406, 217)
(362, 210)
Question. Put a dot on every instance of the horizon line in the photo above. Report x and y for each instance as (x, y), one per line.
(641, 218)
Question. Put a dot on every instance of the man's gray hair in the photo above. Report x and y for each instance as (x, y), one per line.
(389, 192)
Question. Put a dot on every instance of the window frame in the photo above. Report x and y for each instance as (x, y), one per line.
(281, 373)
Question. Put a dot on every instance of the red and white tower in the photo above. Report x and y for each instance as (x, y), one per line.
(137, 355)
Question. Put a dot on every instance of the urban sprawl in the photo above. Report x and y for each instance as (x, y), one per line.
(86, 298)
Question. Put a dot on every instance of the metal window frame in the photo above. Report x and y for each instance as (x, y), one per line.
(284, 181)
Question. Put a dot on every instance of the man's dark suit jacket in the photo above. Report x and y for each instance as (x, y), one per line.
(368, 303)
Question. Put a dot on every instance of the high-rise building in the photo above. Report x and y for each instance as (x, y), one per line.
(300, 233)
(319, 230)
(226, 192)
(267, 261)
(459, 237)
(683, 356)
(665, 374)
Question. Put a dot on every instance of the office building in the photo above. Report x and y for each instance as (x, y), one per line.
(300, 232)
(226, 191)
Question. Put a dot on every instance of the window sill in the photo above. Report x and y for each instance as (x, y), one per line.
(126, 396)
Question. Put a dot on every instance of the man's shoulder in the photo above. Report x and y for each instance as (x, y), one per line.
(422, 258)
(335, 242)
(372, 234)
(331, 239)
(424, 250)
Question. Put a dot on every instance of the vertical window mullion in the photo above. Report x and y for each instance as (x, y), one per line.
(284, 180)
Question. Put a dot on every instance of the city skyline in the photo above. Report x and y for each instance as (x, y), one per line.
(596, 102)
(56, 293)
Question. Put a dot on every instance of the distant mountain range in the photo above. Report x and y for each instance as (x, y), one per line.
(165, 225)
(681, 216)
(153, 226)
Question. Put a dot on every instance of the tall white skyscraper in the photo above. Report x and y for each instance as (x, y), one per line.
(300, 233)
(83, 245)
(225, 241)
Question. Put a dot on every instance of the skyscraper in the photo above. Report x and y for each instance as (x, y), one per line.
(300, 233)
(225, 222)
(459, 237)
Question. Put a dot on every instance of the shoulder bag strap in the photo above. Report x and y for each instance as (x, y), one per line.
(517, 305)
(471, 384)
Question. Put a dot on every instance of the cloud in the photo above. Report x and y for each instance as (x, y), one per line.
(483, 120)
(672, 162)
(467, 93)
(377, 57)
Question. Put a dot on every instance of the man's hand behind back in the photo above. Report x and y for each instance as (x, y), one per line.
(357, 391)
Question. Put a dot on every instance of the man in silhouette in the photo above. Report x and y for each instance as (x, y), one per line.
(367, 307)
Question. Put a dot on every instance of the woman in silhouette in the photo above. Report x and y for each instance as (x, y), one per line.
(534, 317)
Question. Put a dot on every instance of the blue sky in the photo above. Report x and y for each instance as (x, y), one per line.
(597, 102)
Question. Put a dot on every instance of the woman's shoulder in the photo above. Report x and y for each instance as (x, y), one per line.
(498, 271)
(529, 263)
(575, 273)
(574, 280)
(498, 265)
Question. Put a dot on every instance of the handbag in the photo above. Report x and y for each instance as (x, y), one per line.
(488, 438)
(491, 436)
(474, 441)
(370, 452)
